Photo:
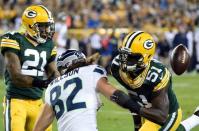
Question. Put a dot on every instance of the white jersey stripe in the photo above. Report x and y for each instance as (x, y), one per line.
(170, 122)
(7, 116)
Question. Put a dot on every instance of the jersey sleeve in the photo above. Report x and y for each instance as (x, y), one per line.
(115, 70)
(53, 54)
(99, 72)
(163, 80)
(8, 43)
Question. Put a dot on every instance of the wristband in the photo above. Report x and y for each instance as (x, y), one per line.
(39, 83)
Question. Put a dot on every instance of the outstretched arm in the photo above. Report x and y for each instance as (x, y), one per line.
(105, 88)
(157, 113)
(45, 119)
(117, 96)
(160, 107)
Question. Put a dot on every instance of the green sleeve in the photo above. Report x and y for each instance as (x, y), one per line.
(9, 44)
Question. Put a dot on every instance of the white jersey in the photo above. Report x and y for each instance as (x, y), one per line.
(74, 98)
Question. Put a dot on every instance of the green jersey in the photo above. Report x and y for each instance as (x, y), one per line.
(33, 61)
(144, 87)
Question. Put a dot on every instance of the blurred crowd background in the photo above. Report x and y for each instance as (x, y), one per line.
(100, 25)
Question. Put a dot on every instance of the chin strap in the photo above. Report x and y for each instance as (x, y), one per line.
(30, 37)
(38, 40)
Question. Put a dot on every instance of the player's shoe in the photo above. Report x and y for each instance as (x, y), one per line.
(196, 112)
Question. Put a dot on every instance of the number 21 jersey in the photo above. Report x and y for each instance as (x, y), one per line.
(33, 60)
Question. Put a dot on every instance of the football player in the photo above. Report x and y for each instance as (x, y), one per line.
(30, 66)
(149, 83)
(73, 97)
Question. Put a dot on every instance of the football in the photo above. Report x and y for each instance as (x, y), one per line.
(179, 59)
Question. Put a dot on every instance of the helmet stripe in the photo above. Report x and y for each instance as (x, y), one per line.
(68, 54)
(47, 11)
(128, 36)
(131, 38)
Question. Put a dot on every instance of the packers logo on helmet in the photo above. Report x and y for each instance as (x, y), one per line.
(148, 44)
(136, 51)
(30, 13)
(38, 23)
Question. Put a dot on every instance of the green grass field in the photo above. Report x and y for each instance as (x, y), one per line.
(113, 118)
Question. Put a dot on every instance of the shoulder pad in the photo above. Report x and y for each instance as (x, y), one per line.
(157, 64)
(159, 76)
(9, 40)
(10, 35)
(99, 69)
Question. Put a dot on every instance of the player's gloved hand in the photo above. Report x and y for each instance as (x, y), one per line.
(42, 83)
(125, 101)
(132, 105)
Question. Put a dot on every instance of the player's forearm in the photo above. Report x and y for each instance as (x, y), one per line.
(39, 127)
(22, 80)
(28, 82)
(117, 96)
(42, 125)
(155, 115)
(13, 67)
(105, 88)
(108, 91)
(45, 119)
(52, 70)
(158, 113)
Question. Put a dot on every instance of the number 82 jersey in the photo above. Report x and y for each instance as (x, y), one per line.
(74, 98)
(33, 60)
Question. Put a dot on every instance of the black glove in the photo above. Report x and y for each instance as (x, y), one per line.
(125, 101)
(42, 83)
(133, 106)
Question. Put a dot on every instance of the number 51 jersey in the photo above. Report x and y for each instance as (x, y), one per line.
(146, 85)
(33, 60)
(74, 98)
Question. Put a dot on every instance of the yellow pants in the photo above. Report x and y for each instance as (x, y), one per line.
(20, 114)
(171, 124)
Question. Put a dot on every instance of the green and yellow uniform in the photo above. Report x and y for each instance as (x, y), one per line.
(22, 102)
(142, 88)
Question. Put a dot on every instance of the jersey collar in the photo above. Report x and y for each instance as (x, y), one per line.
(136, 82)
